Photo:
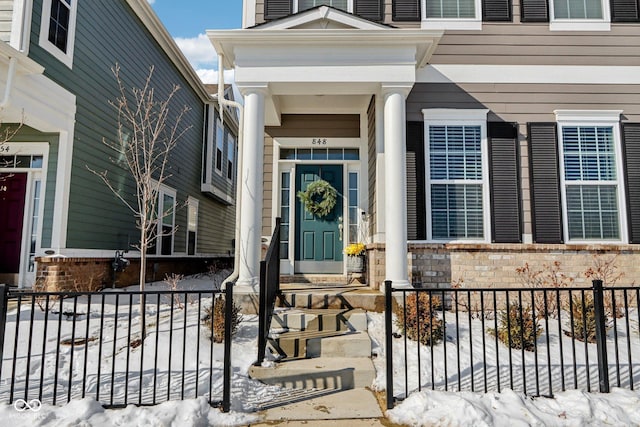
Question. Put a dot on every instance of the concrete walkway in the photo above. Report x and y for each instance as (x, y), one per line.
(353, 408)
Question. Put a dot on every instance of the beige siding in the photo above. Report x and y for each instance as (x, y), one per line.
(523, 103)
(6, 16)
(267, 198)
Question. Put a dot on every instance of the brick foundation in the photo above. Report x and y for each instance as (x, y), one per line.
(494, 265)
(90, 274)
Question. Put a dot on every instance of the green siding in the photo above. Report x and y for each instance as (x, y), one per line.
(108, 32)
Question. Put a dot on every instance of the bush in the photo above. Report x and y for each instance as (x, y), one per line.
(214, 319)
(421, 314)
(518, 328)
(583, 319)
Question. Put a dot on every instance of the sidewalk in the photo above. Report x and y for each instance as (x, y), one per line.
(351, 408)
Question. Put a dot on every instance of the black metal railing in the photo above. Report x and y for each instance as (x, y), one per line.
(538, 341)
(269, 290)
(58, 346)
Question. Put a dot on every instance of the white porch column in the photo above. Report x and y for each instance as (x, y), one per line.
(252, 188)
(395, 181)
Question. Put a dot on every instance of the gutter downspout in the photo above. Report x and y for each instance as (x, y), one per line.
(223, 102)
(10, 75)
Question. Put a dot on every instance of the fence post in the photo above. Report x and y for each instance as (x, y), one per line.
(4, 299)
(388, 338)
(601, 336)
(228, 314)
(262, 314)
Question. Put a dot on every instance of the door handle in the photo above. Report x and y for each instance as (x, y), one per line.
(340, 228)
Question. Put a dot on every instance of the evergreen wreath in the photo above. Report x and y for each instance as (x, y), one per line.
(319, 198)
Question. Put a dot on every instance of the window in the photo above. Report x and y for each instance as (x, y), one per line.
(192, 225)
(308, 4)
(457, 176)
(285, 211)
(231, 149)
(579, 15)
(452, 14)
(57, 28)
(166, 222)
(219, 145)
(591, 181)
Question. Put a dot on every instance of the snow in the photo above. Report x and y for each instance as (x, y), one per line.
(425, 407)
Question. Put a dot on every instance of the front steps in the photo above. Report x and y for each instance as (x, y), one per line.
(326, 349)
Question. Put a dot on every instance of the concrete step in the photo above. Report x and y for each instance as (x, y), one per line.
(336, 373)
(347, 297)
(319, 319)
(351, 345)
(296, 344)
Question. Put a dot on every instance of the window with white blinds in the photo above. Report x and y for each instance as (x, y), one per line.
(451, 9)
(456, 182)
(591, 183)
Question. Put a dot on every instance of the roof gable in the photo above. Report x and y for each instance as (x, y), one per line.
(321, 17)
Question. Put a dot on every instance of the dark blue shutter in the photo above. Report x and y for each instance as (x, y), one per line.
(369, 9)
(496, 10)
(625, 11)
(534, 11)
(406, 10)
(631, 144)
(546, 208)
(416, 200)
(274, 9)
(504, 179)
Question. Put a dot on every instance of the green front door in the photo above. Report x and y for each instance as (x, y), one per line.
(318, 245)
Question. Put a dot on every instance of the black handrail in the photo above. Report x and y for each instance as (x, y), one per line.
(269, 290)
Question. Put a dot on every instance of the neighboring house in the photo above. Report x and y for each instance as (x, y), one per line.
(59, 223)
(466, 137)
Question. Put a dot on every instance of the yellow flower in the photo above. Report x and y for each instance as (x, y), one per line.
(354, 249)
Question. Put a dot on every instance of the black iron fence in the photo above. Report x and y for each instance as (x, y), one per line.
(58, 346)
(269, 290)
(534, 340)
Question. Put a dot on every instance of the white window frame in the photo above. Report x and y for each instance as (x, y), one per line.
(564, 24)
(452, 23)
(168, 191)
(64, 57)
(349, 6)
(231, 156)
(599, 118)
(459, 117)
(219, 146)
(193, 207)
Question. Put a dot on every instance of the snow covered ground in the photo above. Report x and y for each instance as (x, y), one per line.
(421, 408)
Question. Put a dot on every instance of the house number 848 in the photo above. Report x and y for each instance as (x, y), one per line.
(319, 141)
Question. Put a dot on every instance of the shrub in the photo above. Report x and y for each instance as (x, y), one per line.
(214, 318)
(421, 315)
(583, 319)
(518, 328)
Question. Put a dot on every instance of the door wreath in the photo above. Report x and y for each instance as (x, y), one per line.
(319, 198)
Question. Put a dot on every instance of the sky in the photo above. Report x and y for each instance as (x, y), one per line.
(187, 21)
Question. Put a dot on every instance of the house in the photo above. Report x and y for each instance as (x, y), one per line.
(464, 138)
(60, 224)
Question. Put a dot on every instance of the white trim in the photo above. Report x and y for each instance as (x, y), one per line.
(21, 25)
(544, 74)
(194, 203)
(248, 13)
(603, 24)
(594, 118)
(64, 57)
(463, 117)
